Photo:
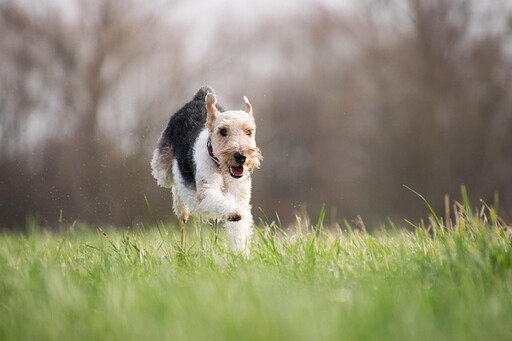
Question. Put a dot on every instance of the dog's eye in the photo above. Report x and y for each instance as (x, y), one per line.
(224, 132)
(248, 132)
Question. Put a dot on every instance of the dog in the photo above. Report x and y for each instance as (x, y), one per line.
(206, 155)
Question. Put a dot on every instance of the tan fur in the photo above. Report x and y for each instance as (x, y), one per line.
(211, 110)
(161, 165)
(241, 133)
(165, 159)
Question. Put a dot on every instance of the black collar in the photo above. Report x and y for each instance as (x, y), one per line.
(210, 152)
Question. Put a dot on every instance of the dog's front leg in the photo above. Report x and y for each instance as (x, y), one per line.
(240, 232)
(212, 201)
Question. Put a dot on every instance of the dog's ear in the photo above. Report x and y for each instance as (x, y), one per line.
(248, 106)
(211, 109)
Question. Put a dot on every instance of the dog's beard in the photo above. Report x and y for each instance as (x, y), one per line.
(229, 166)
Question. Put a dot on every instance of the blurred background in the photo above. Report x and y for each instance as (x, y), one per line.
(352, 98)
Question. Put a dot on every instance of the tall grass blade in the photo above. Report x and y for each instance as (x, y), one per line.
(320, 223)
(438, 221)
(153, 215)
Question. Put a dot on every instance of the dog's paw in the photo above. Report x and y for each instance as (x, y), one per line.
(235, 217)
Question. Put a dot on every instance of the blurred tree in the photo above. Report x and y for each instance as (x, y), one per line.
(388, 93)
(82, 89)
(351, 102)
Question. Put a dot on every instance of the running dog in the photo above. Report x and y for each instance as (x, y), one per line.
(206, 155)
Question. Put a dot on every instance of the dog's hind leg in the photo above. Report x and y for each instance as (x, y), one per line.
(182, 212)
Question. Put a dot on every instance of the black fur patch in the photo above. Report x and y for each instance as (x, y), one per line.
(182, 131)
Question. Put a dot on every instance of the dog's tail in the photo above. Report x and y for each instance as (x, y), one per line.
(161, 164)
(202, 92)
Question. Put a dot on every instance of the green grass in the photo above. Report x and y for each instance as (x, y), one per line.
(440, 281)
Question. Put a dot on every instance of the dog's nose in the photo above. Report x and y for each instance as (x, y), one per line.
(239, 158)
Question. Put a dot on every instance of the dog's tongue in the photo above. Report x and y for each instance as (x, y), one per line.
(237, 171)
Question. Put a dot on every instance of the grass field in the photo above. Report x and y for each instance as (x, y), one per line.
(433, 282)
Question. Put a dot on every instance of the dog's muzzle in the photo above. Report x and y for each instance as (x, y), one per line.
(238, 171)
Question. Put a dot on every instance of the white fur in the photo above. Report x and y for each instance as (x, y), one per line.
(217, 196)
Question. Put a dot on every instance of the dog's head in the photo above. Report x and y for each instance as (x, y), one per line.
(232, 136)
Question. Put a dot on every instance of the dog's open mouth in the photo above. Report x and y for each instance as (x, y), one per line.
(236, 171)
